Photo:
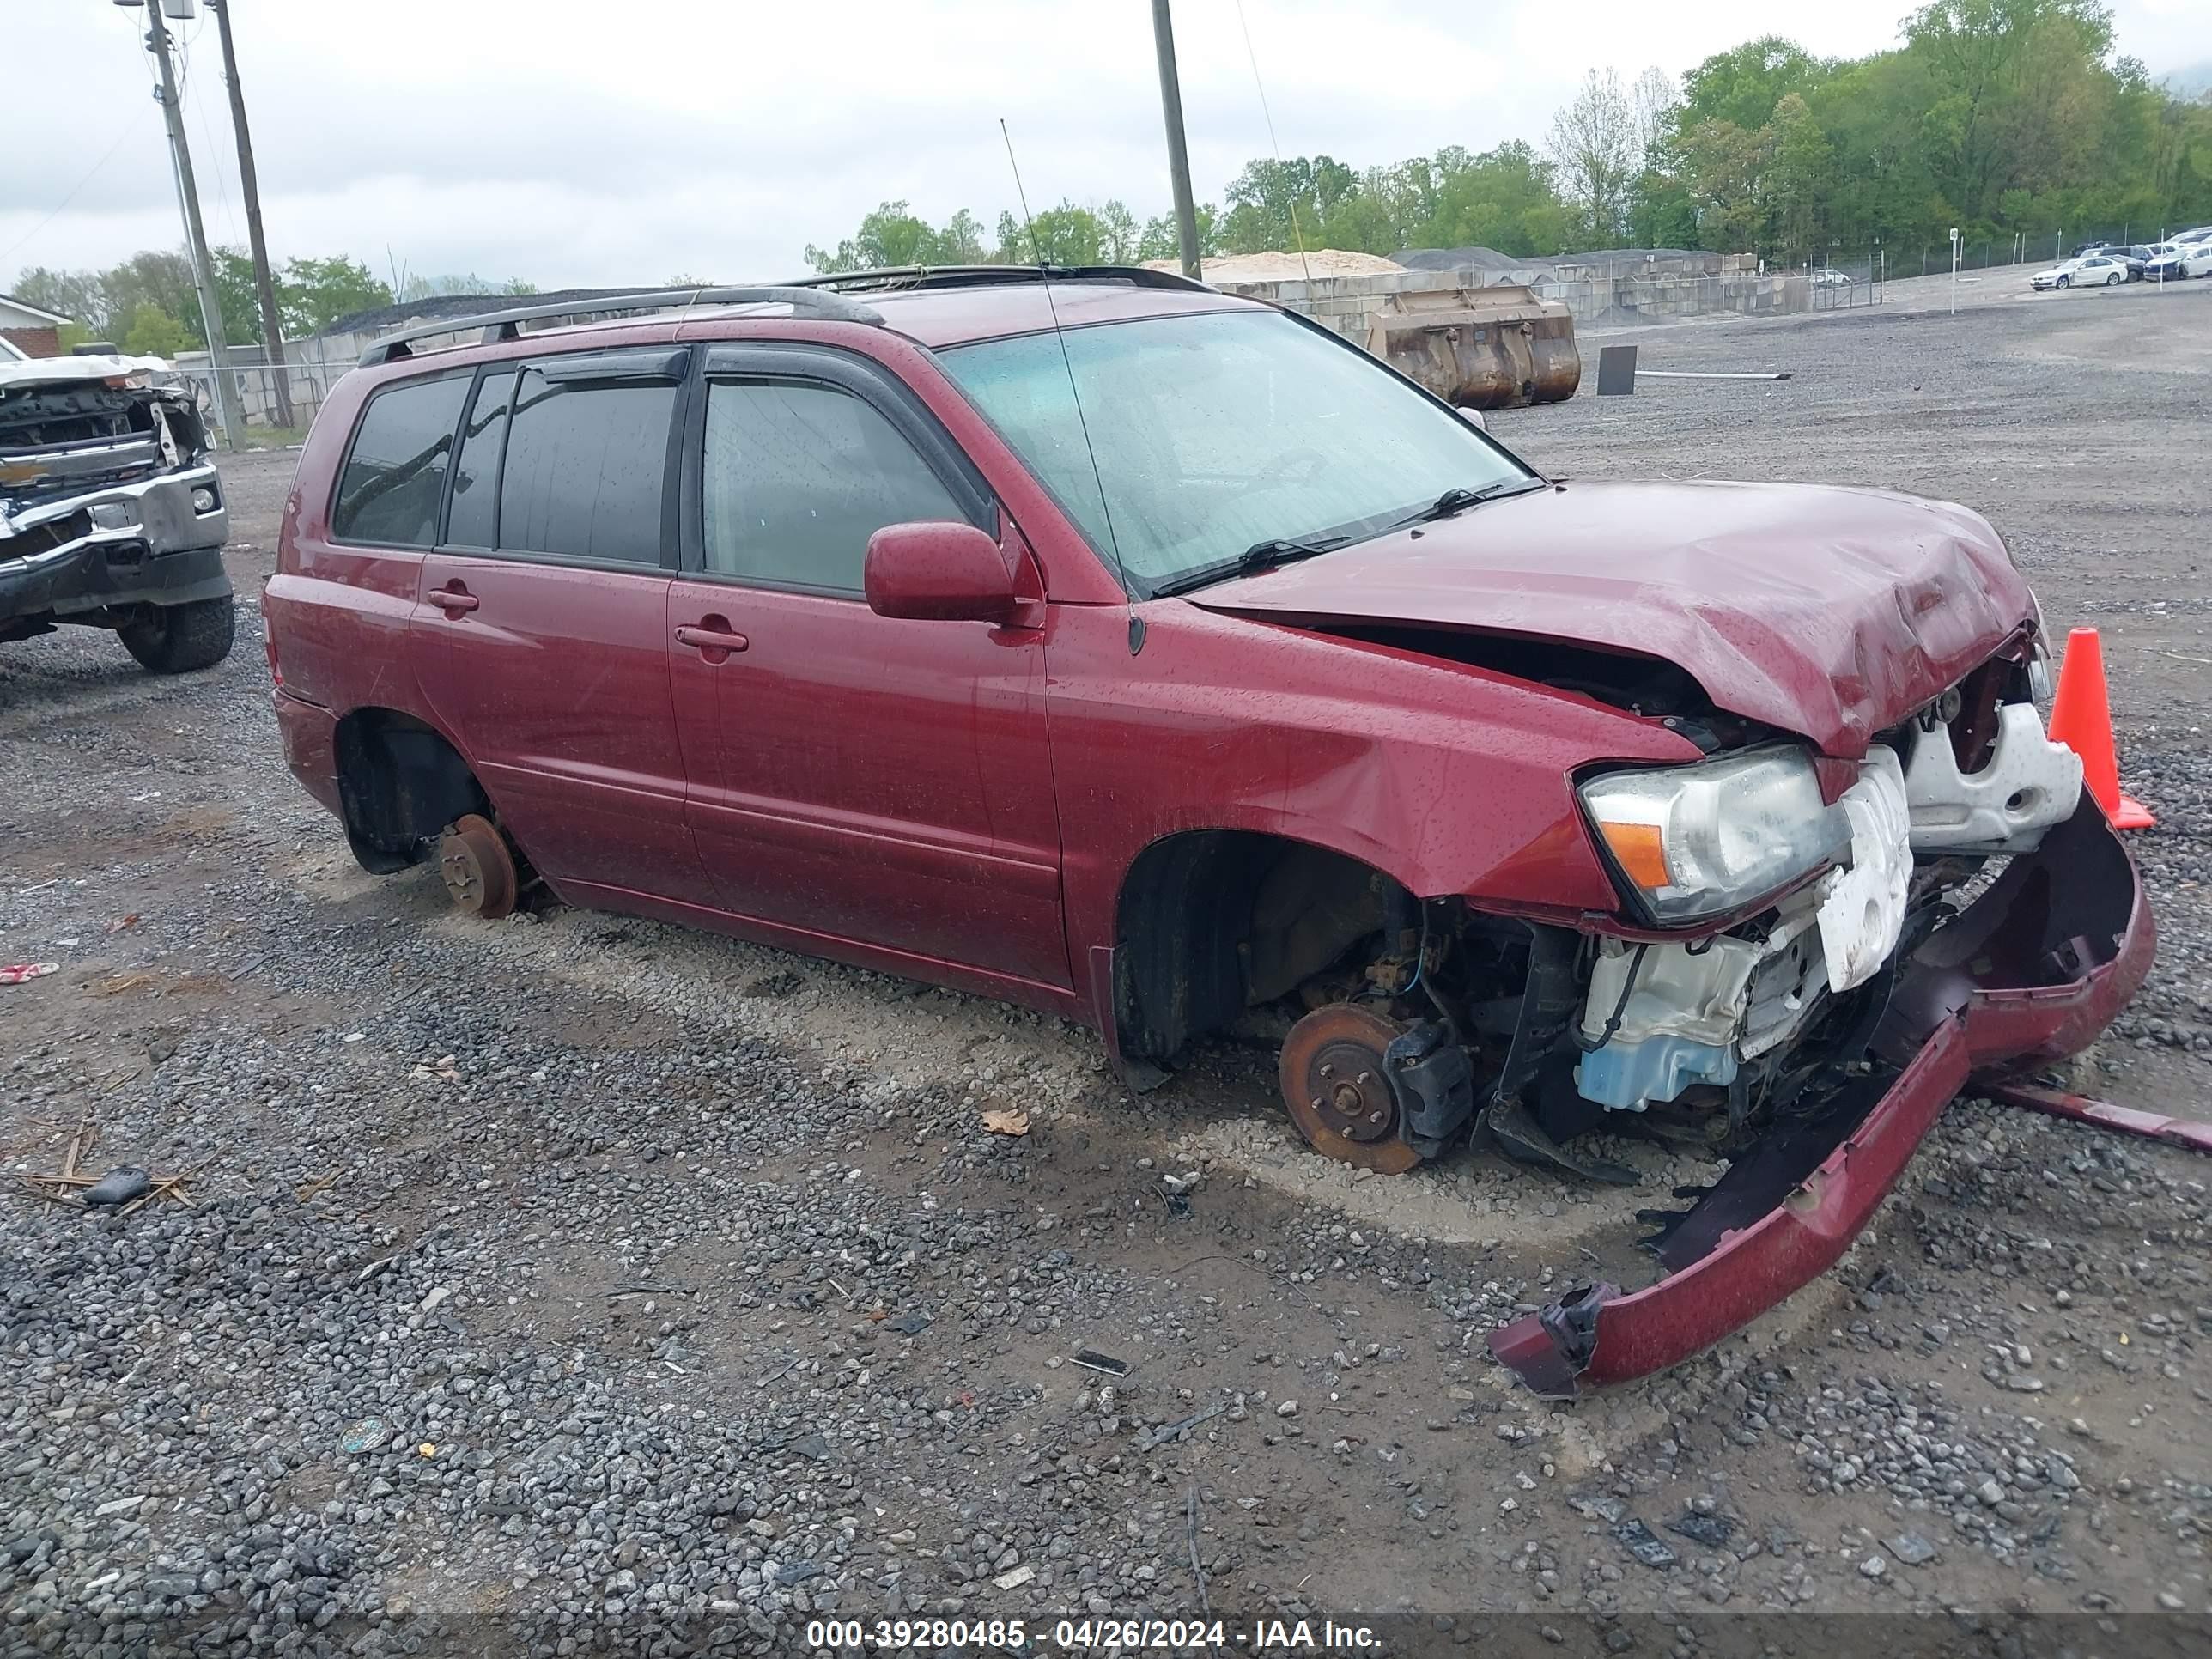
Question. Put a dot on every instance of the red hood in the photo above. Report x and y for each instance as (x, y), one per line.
(1829, 612)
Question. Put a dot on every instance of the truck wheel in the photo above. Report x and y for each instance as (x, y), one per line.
(175, 639)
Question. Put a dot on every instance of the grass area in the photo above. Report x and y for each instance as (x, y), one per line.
(274, 437)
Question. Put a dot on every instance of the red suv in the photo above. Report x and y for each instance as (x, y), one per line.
(1149, 656)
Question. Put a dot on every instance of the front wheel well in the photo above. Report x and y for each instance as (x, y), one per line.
(1212, 922)
(400, 783)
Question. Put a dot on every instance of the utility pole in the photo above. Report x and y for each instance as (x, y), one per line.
(1186, 209)
(264, 289)
(226, 390)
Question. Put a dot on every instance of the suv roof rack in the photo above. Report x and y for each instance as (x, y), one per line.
(908, 276)
(507, 325)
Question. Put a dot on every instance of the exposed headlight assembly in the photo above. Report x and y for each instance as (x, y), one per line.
(1699, 841)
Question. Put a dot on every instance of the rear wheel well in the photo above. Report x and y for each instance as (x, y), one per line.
(401, 783)
(1212, 921)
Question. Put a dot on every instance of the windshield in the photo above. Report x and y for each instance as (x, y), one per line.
(1218, 432)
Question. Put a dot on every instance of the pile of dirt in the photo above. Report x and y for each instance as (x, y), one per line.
(1273, 267)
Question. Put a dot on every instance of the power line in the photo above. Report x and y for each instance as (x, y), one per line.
(59, 206)
(222, 186)
(1273, 143)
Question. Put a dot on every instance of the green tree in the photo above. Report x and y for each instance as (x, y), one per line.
(1595, 147)
(960, 242)
(894, 234)
(162, 280)
(1799, 177)
(1119, 232)
(1062, 235)
(233, 287)
(1161, 241)
(1279, 206)
(76, 295)
(154, 333)
(1724, 162)
(1505, 198)
(313, 293)
(1997, 116)
(2002, 73)
(1742, 85)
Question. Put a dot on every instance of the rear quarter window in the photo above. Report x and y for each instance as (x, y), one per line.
(394, 477)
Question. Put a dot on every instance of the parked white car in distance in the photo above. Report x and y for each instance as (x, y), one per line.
(2088, 271)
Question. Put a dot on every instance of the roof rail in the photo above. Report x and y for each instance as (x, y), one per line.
(905, 276)
(507, 325)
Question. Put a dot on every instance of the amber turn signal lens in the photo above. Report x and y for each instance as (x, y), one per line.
(1640, 852)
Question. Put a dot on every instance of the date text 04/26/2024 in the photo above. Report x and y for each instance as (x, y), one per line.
(1086, 1635)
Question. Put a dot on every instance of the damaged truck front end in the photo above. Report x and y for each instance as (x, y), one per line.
(112, 513)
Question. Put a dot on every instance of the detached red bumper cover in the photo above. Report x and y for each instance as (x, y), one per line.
(2029, 973)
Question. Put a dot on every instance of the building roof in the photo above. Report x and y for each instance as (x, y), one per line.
(38, 313)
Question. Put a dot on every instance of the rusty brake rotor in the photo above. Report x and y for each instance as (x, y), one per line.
(478, 868)
(1334, 1083)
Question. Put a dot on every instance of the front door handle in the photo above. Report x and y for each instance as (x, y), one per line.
(453, 598)
(712, 638)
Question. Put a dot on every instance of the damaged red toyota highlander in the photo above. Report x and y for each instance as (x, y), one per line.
(1152, 656)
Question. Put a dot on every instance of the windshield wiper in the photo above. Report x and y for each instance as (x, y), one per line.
(1456, 499)
(1260, 555)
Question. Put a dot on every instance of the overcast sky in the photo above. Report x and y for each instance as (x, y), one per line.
(632, 140)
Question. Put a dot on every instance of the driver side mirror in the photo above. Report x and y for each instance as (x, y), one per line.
(1472, 417)
(937, 571)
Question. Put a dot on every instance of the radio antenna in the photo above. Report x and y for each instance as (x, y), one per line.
(1068, 362)
(1298, 235)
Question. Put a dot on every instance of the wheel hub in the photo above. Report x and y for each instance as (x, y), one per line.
(477, 869)
(1333, 1083)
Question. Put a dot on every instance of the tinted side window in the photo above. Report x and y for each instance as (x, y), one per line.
(586, 464)
(797, 477)
(395, 474)
(473, 518)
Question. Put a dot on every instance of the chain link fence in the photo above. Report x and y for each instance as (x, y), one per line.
(2038, 248)
(1840, 281)
(277, 402)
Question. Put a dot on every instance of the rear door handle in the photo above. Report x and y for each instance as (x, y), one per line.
(712, 637)
(453, 598)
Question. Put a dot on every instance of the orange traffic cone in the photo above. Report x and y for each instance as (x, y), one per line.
(2081, 719)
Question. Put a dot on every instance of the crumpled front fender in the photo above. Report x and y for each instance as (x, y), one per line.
(2030, 972)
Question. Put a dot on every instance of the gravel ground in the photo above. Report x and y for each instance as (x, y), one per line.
(575, 1283)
